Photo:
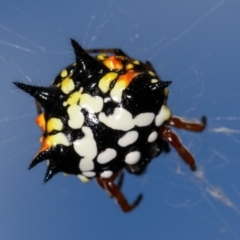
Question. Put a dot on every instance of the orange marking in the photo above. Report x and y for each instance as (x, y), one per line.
(113, 62)
(40, 120)
(127, 77)
(46, 143)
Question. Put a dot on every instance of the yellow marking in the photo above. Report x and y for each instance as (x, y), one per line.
(166, 92)
(53, 140)
(168, 113)
(83, 178)
(122, 83)
(54, 124)
(64, 73)
(136, 62)
(106, 80)
(102, 56)
(92, 104)
(163, 115)
(67, 85)
(154, 80)
(74, 97)
(116, 92)
(152, 73)
(121, 57)
(129, 66)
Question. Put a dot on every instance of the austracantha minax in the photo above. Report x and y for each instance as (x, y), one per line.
(102, 114)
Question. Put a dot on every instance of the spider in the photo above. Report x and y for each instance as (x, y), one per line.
(102, 114)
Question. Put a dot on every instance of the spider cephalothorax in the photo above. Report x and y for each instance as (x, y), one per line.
(102, 114)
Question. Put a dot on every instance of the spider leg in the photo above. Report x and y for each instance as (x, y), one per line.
(115, 51)
(119, 182)
(115, 192)
(38, 107)
(190, 126)
(171, 137)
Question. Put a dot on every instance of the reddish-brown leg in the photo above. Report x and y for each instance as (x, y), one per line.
(113, 178)
(190, 126)
(171, 137)
(115, 192)
(38, 107)
(115, 51)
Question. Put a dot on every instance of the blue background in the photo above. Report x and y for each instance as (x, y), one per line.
(193, 43)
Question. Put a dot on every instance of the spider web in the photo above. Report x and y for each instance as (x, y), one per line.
(193, 43)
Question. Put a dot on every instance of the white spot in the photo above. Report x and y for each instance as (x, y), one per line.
(92, 104)
(86, 148)
(152, 137)
(76, 117)
(106, 156)
(121, 119)
(132, 157)
(128, 138)
(144, 119)
(89, 174)
(106, 174)
(163, 115)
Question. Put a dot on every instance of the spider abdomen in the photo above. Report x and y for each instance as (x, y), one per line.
(100, 115)
(105, 113)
